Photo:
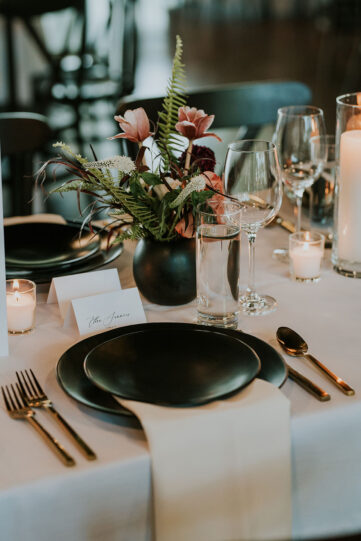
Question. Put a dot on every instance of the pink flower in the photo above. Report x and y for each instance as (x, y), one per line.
(135, 125)
(193, 123)
(214, 181)
(187, 231)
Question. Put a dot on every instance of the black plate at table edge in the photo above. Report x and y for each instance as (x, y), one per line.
(76, 227)
(106, 403)
(89, 264)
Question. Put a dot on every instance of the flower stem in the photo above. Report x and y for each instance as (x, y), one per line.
(188, 157)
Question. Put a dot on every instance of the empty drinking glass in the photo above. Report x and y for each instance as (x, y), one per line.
(252, 175)
(301, 160)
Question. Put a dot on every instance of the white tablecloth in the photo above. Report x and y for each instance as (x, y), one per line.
(110, 499)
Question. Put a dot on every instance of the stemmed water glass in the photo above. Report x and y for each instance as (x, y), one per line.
(301, 155)
(252, 175)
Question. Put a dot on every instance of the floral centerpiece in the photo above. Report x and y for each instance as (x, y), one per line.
(155, 196)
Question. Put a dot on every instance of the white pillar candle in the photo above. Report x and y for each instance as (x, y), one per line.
(20, 305)
(349, 197)
(306, 260)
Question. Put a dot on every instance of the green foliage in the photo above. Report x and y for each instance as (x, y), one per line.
(168, 141)
(142, 203)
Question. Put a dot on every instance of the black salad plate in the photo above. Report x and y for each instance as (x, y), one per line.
(180, 367)
(40, 245)
(72, 378)
(102, 255)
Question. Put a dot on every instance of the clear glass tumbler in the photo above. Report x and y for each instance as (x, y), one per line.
(218, 262)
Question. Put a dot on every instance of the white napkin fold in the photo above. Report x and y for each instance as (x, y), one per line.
(221, 472)
(47, 218)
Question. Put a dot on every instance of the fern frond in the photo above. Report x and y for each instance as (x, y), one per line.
(174, 99)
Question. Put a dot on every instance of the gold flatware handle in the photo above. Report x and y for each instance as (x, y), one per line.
(340, 383)
(308, 385)
(288, 226)
(52, 442)
(84, 448)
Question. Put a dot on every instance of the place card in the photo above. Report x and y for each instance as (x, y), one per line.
(4, 345)
(64, 289)
(102, 312)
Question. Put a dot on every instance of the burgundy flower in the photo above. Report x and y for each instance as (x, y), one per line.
(203, 157)
(193, 123)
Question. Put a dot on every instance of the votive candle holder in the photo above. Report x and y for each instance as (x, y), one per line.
(20, 305)
(306, 251)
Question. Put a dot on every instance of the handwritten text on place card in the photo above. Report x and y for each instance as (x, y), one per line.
(64, 289)
(116, 309)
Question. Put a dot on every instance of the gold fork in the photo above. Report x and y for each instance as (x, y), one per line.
(35, 397)
(18, 409)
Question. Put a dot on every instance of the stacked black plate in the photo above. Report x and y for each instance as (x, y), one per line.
(39, 251)
(172, 364)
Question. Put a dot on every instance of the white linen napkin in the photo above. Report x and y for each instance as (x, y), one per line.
(47, 218)
(221, 472)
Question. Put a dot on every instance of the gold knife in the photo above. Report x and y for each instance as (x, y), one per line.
(307, 384)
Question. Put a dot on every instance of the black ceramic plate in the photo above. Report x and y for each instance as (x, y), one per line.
(73, 380)
(42, 245)
(102, 256)
(180, 367)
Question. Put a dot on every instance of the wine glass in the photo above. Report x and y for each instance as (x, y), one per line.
(301, 155)
(252, 175)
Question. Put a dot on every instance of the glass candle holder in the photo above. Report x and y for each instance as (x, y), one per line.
(306, 251)
(346, 246)
(20, 305)
(218, 262)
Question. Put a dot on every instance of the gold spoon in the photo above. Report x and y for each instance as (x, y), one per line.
(295, 345)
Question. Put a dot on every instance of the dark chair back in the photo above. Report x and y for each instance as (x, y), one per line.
(234, 105)
(21, 136)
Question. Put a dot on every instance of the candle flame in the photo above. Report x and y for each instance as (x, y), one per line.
(17, 296)
(307, 235)
(16, 284)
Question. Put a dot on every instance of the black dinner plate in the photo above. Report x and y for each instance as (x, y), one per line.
(102, 256)
(72, 378)
(41, 245)
(179, 367)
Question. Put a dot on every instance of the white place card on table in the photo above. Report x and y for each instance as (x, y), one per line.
(105, 311)
(64, 289)
(4, 344)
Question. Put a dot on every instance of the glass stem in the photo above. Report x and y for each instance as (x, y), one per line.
(298, 210)
(251, 264)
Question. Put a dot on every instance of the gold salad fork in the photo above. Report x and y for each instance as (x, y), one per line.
(18, 409)
(35, 397)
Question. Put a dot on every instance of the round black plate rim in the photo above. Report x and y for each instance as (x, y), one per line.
(86, 265)
(58, 264)
(195, 328)
(116, 408)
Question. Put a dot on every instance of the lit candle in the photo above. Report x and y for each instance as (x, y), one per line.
(20, 304)
(306, 251)
(349, 197)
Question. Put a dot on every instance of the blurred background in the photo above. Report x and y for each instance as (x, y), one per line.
(72, 61)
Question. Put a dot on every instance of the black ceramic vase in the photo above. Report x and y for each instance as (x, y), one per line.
(165, 272)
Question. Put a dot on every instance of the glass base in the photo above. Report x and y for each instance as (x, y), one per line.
(281, 254)
(26, 331)
(307, 280)
(258, 306)
(346, 272)
(226, 321)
